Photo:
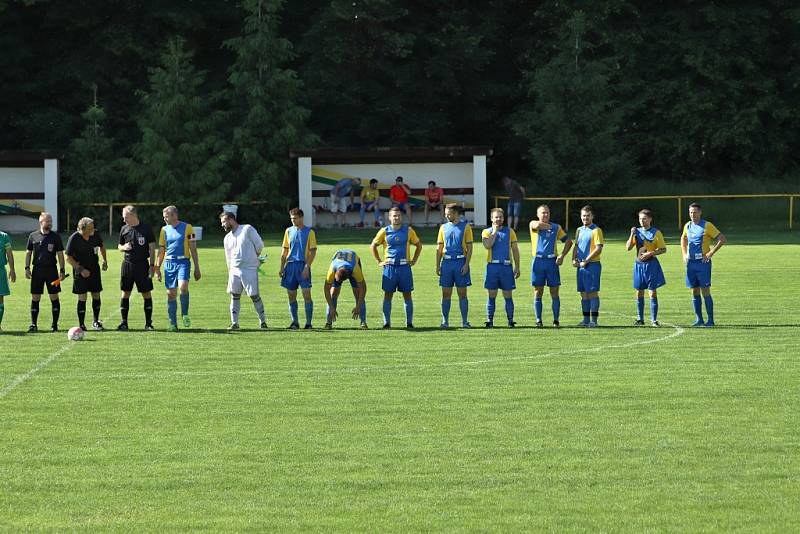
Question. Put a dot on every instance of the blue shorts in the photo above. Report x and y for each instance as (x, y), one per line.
(589, 277)
(698, 273)
(451, 274)
(175, 271)
(648, 275)
(397, 278)
(544, 271)
(292, 278)
(499, 276)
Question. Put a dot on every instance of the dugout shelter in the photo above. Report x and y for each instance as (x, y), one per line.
(28, 186)
(459, 170)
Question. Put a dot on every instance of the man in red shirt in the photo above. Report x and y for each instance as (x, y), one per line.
(399, 193)
(433, 200)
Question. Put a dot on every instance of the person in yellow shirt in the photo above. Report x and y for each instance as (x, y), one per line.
(370, 197)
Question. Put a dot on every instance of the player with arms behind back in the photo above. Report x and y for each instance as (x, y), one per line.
(345, 265)
(697, 252)
(647, 273)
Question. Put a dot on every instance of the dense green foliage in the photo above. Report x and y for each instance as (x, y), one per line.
(619, 429)
(576, 98)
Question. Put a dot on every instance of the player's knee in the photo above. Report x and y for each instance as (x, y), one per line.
(236, 296)
(255, 298)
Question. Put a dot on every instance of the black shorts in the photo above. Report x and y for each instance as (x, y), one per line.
(135, 273)
(92, 284)
(44, 275)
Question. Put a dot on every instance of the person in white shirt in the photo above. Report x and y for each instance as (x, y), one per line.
(243, 248)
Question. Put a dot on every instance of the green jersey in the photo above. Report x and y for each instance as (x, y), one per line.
(5, 244)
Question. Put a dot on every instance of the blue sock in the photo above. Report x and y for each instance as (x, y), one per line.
(509, 308)
(309, 311)
(537, 309)
(640, 308)
(490, 305)
(387, 311)
(409, 306)
(556, 308)
(446, 311)
(698, 308)
(172, 311)
(585, 309)
(709, 308)
(362, 312)
(463, 304)
(293, 311)
(184, 303)
(654, 309)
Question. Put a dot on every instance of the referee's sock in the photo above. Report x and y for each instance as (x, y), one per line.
(309, 311)
(490, 306)
(148, 311)
(293, 311)
(556, 308)
(34, 311)
(387, 311)
(124, 306)
(446, 311)
(537, 308)
(463, 304)
(640, 308)
(709, 308)
(172, 311)
(56, 310)
(82, 312)
(185, 303)
(510, 309)
(653, 309)
(96, 309)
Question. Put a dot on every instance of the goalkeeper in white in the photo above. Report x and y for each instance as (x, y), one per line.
(243, 247)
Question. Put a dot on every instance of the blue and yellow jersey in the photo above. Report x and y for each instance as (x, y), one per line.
(370, 195)
(175, 240)
(349, 260)
(651, 239)
(699, 237)
(543, 242)
(299, 242)
(454, 237)
(5, 244)
(501, 250)
(396, 242)
(587, 239)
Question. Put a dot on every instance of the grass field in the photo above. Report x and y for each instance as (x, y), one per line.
(617, 428)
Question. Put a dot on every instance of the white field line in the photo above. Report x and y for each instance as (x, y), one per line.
(676, 331)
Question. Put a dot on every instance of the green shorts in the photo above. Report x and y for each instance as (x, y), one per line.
(4, 289)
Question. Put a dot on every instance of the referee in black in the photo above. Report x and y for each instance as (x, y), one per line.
(82, 247)
(138, 244)
(46, 250)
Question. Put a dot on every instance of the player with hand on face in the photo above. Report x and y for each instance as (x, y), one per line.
(697, 252)
(453, 254)
(586, 258)
(501, 245)
(647, 273)
(243, 248)
(345, 265)
(396, 240)
(546, 261)
(46, 253)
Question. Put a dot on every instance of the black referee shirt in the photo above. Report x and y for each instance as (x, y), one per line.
(140, 237)
(45, 247)
(84, 250)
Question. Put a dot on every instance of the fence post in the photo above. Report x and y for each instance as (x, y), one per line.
(110, 219)
(66, 228)
(680, 210)
(791, 212)
(566, 215)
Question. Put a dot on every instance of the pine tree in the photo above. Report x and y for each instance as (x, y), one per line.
(180, 154)
(264, 103)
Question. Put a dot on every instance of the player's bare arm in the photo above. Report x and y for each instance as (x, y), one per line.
(284, 257)
(718, 245)
(631, 239)
(104, 254)
(515, 253)
(61, 265)
(373, 248)
(685, 248)
(28, 264)
(12, 274)
(467, 259)
(417, 252)
(439, 255)
(312, 253)
(592, 255)
(564, 252)
(195, 259)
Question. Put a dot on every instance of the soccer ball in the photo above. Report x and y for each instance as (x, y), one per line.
(75, 333)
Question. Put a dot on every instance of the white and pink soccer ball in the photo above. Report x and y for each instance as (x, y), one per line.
(75, 333)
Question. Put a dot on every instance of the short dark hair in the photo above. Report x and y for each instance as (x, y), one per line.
(228, 214)
(646, 212)
(589, 208)
(431, 182)
(398, 179)
(695, 205)
(297, 212)
(373, 181)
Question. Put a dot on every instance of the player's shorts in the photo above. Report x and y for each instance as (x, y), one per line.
(698, 273)
(92, 284)
(544, 272)
(175, 271)
(137, 274)
(44, 275)
(246, 281)
(589, 277)
(4, 289)
(499, 276)
(648, 275)
(514, 209)
(451, 274)
(397, 278)
(338, 204)
(293, 276)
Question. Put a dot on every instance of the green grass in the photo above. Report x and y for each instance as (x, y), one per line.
(619, 428)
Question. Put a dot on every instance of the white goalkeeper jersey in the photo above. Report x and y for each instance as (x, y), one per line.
(241, 249)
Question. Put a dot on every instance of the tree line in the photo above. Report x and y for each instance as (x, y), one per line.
(159, 100)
